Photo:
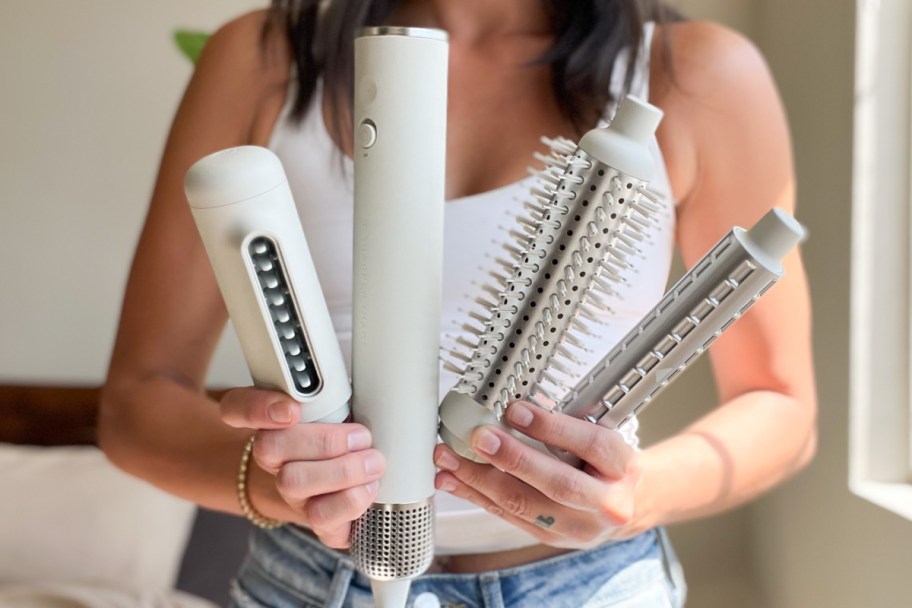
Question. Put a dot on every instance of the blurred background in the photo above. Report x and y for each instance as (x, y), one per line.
(88, 92)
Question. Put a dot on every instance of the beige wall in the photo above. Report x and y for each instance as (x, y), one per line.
(715, 552)
(89, 89)
(737, 14)
(810, 543)
(814, 543)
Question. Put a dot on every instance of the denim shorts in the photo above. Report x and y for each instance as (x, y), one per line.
(288, 568)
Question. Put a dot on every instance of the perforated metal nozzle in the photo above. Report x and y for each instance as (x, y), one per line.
(394, 541)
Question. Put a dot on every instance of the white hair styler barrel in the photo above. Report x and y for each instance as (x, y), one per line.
(249, 225)
(399, 162)
(591, 212)
(695, 311)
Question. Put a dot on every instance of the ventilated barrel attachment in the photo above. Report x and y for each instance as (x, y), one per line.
(704, 302)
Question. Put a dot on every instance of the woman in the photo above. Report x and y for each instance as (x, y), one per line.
(519, 69)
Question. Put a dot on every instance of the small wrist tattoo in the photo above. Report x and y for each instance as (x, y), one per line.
(544, 522)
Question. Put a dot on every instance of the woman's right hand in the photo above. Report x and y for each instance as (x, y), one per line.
(327, 473)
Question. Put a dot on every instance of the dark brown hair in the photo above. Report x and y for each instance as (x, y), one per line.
(589, 35)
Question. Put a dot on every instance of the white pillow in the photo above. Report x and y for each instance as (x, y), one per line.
(82, 595)
(69, 516)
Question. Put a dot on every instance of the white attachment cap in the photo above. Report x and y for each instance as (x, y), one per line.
(624, 144)
(777, 232)
(637, 119)
(232, 176)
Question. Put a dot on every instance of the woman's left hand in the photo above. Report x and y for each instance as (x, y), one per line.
(560, 505)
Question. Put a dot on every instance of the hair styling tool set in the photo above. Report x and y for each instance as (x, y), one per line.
(587, 215)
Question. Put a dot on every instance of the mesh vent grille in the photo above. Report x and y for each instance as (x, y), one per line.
(286, 322)
(392, 541)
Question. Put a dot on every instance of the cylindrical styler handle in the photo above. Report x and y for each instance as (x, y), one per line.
(399, 154)
(241, 202)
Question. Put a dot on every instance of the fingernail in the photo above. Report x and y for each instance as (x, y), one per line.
(447, 483)
(372, 487)
(373, 463)
(280, 412)
(359, 440)
(486, 441)
(520, 415)
(447, 461)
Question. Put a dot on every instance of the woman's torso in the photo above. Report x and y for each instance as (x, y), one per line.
(476, 227)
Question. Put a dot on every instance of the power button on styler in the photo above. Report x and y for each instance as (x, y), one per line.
(367, 133)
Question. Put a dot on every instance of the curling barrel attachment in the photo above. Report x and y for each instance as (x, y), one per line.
(249, 225)
(696, 310)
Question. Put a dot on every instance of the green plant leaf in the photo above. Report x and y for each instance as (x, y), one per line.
(191, 43)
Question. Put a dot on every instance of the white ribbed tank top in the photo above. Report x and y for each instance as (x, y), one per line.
(475, 228)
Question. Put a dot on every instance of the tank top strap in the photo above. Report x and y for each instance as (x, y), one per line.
(639, 84)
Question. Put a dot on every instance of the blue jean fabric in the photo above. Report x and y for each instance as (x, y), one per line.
(287, 568)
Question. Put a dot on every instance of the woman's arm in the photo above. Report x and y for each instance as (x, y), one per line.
(155, 421)
(726, 141)
(763, 365)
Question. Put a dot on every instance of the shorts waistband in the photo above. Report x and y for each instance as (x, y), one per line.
(297, 544)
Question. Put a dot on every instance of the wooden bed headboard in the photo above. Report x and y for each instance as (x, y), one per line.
(51, 415)
(48, 415)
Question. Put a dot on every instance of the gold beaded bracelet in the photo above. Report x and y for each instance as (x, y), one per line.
(253, 516)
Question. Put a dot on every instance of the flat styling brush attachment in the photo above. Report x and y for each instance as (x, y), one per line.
(590, 210)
